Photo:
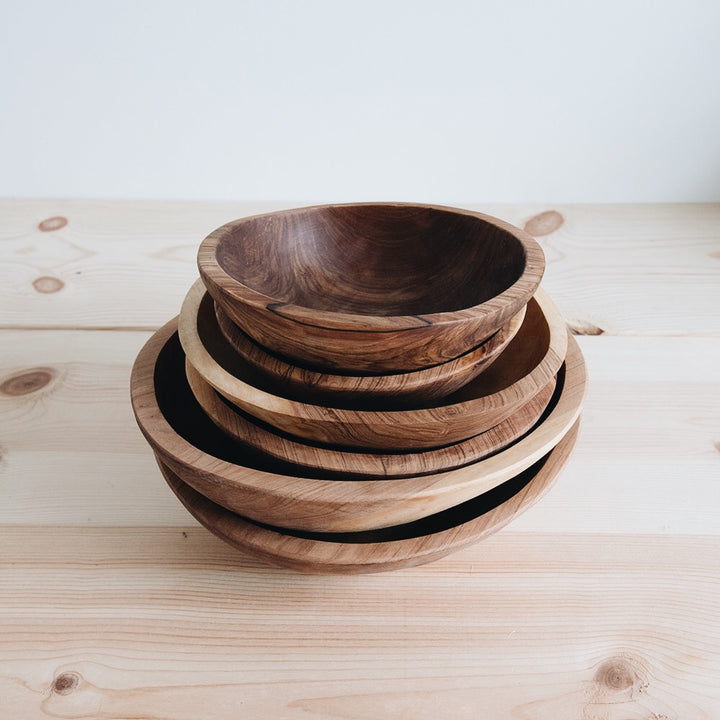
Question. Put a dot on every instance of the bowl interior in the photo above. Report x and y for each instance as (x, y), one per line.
(524, 352)
(372, 259)
(187, 418)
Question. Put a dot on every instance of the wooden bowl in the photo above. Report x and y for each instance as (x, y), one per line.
(527, 365)
(394, 389)
(390, 548)
(345, 464)
(206, 458)
(412, 285)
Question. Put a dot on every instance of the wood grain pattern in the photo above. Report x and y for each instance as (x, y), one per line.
(341, 464)
(413, 285)
(608, 266)
(173, 624)
(202, 455)
(599, 603)
(525, 367)
(390, 548)
(394, 390)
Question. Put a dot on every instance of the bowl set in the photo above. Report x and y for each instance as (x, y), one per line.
(355, 388)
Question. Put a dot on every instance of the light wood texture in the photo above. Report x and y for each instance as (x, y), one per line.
(346, 464)
(599, 602)
(171, 623)
(396, 390)
(653, 400)
(609, 267)
(193, 447)
(528, 363)
(413, 285)
(391, 548)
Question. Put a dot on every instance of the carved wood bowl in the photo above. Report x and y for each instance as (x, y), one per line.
(527, 365)
(412, 285)
(346, 464)
(394, 389)
(265, 490)
(389, 548)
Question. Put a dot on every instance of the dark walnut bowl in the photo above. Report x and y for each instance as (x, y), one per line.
(372, 287)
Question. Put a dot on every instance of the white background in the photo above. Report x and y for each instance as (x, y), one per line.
(334, 101)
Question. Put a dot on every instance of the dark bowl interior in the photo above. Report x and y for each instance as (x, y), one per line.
(373, 259)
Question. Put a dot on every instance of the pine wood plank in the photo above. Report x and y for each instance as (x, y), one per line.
(609, 266)
(170, 623)
(646, 461)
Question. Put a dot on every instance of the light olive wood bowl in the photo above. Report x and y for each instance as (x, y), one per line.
(347, 464)
(526, 366)
(261, 489)
(389, 548)
(412, 285)
(394, 389)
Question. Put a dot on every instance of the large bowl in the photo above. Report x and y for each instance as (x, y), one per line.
(346, 464)
(371, 288)
(402, 389)
(203, 456)
(390, 548)
(527, 365)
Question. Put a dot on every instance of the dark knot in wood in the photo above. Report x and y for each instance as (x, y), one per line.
(65, 683)
(27, 382)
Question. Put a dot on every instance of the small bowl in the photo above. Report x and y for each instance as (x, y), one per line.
(182, 435)
(389, 548)
(348, 465)
(529, 362)
(411, 285)
(395, 389)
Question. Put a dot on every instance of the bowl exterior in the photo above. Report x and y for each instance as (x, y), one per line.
(396, 390)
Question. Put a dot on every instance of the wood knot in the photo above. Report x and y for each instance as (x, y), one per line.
(544, 223)
(47, 284)
(65, 683)
(27, 382)
(52, 223)
(616, 674)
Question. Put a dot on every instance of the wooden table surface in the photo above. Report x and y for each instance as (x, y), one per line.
(601, 603)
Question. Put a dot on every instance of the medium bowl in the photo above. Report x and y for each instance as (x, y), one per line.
(411, 285)
(394, 389)
(527, 365)
(346, 464)
(203, 456)
(390, 548)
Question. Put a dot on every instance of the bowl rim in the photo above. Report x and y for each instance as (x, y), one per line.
(249, 397)
(333, 504)
(319, 555)
(219, 281)
(376, 464)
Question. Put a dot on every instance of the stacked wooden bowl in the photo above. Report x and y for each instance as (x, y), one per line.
(352, 388)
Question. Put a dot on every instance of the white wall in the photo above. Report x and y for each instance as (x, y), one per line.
(331, 101)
